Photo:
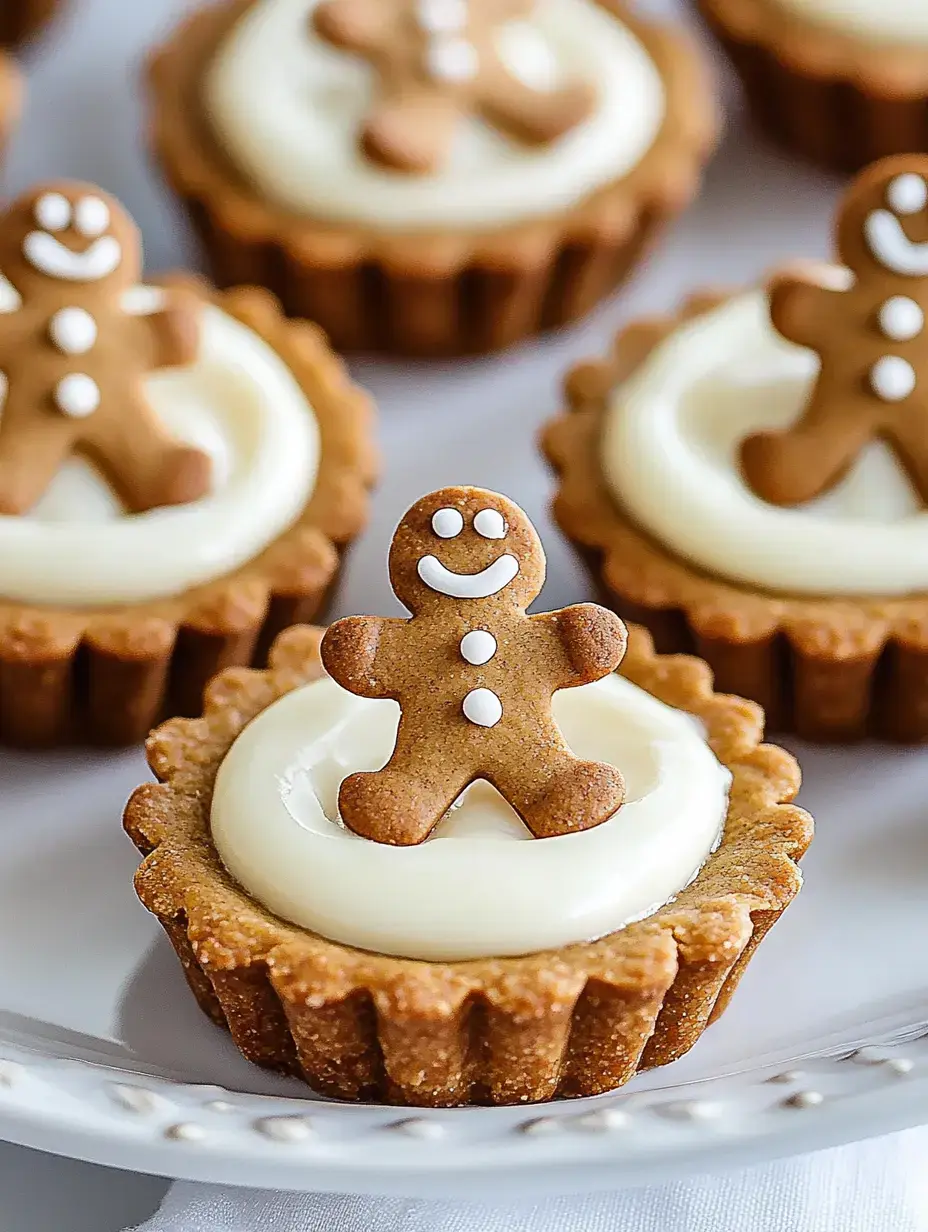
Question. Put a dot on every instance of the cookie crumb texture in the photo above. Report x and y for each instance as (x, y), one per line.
(572, 1022)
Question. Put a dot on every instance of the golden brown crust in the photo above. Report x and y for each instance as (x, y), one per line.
(831, 669)
(571, 1022)
(106, 675)
(20, 19)
(434, 293)
(838, 100)
(889, 69)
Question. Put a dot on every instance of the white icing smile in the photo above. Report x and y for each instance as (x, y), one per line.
(48, 255)
(892, 247)
(482, 585)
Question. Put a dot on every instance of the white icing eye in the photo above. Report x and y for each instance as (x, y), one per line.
(447, 523)
(52, 212)
(490, 523)
(907, 194)
(92, 217)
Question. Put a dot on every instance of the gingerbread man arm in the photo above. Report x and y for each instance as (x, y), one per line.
(358, 653)
(591, 641)
(802, 309)
(353, 25)
(173, 332)
(536, 117)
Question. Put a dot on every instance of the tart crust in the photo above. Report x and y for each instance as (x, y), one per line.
(836, 99)
(20, 19)
(570, 1022)
(107, 675)
(430, 293)
(829, 669)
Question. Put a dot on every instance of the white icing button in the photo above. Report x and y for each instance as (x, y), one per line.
(77, 395)
(447, 523)
(73, 330)
(901, 319)
(452, 59)
(478, 647)
(892, 378)
(53, 212)
(92, 217)
(490, 523)
(907, 194)
(483, 707)
(442, 16)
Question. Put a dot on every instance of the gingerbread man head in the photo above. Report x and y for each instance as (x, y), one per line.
(70, 235)
(474, 676)
(882, 224)
(466, 544)
(869, 328)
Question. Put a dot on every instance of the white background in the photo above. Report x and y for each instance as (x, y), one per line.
(472, 422)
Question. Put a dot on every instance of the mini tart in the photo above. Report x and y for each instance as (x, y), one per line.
(828, 669)
(427, 292)
(20, 19)
(837, 99)
(563, 1023)
(106, 675)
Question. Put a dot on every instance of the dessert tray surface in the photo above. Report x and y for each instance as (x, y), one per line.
(103, 1053)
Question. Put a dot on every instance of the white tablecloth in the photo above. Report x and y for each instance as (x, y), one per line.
(875, 1186)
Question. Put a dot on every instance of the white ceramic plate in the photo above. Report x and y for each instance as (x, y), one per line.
(103, 1053)
(105, 1056)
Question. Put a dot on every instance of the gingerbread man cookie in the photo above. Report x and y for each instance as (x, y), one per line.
(437, 61)
(871, 337)
(474, 675)
(72, 360)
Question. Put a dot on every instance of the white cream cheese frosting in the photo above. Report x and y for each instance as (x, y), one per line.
(287, 108)
(240, 404)
(878, 21)
(480, 886)
(670, 458)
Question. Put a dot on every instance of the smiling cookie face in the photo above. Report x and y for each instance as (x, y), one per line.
(883, 227)
(466, 544)
(68, 234)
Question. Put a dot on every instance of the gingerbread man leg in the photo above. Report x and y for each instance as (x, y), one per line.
(148, 469)
(565, 794)
(791, 467)
(533, 116)
(398, 806)
(32, 451)
(411, 133)
(908, 435)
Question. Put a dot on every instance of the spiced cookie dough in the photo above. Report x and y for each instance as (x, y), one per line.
(505, 967)
(841, 82)
(178, 470)
(516, 160)
(748, 478)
